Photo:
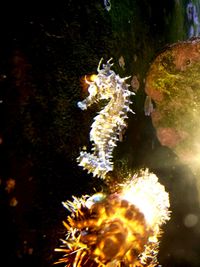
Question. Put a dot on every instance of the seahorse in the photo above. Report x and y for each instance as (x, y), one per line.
(109, 124)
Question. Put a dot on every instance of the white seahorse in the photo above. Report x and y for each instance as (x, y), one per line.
(109, 123)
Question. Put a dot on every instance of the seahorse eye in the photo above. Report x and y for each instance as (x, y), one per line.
(93, 77)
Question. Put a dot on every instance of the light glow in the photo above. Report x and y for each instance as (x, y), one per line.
(149, 196)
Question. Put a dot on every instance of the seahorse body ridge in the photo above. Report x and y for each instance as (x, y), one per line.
(110, 122)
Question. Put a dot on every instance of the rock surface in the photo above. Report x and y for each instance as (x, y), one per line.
(173, 83)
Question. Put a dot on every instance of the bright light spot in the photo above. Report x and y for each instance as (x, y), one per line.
(92, 90)
(190, 220)
(150, 197)
(93, 77)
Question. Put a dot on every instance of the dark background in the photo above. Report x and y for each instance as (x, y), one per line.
(45, 50)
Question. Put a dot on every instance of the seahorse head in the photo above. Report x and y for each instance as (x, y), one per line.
(101, 85)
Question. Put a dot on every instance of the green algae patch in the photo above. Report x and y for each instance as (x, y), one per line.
(173, 83)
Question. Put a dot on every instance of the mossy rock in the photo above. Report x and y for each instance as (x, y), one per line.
(173, 83)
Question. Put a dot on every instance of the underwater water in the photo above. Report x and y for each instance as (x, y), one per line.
(45, 52)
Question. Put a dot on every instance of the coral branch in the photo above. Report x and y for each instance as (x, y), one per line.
(119, 229)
